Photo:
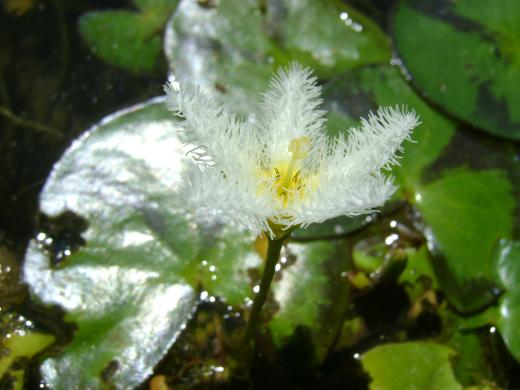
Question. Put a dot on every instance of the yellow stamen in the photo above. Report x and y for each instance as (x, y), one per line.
(285, 175)
(299, 148)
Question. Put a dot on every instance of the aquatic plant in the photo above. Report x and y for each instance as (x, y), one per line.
(279, 170)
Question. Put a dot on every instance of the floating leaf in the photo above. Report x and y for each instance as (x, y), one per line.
(19, 343)
(465, 56)
(312, 293)
(24, 344)
(231, 49)
(508, 268)
(128, 39)
(410, 366)
(130, 288)
(465, 232)
(329, 36)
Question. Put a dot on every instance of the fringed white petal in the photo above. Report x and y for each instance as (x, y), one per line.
(211, 193)
(282, 169)
(340, 195)
(374, 144)
(290, 110)
(206, 125)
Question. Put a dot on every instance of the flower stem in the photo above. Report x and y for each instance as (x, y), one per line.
(273, 254)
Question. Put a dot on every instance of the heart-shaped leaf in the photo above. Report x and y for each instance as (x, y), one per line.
(130, 288)
(232, 47)
(465, 56)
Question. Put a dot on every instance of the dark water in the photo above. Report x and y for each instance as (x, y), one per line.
(49, 78)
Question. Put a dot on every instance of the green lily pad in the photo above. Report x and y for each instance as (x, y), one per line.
(19, 343)
(508, 268)
(506, 315)
(232, 48)
(129, 39)
(23, 344)
(410, 366)
(460, 231)
(329, 36)
(312, 293)
(465, 55)
(131, 288)
(464, 232)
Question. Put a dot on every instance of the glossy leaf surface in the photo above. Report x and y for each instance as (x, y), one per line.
(232, 48)
(465, 56)
(131, 288)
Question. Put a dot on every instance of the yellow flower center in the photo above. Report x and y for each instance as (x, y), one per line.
(288, 182)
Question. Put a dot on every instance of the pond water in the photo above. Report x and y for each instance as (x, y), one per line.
(107, 282)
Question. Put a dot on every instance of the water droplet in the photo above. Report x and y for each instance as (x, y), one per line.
(391, 239)
(338, 229)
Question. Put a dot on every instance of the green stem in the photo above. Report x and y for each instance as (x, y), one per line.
(273, 254)
(29, 124)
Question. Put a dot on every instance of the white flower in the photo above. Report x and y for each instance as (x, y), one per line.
(279, 170)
